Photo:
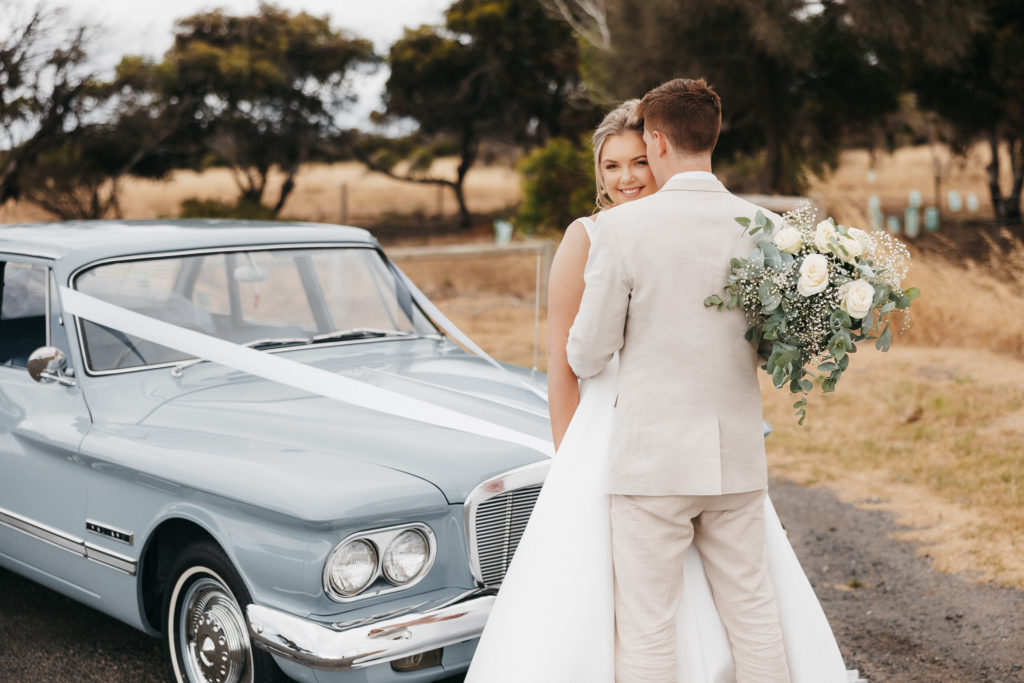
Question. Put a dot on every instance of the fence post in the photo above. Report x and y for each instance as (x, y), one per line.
(344, 203)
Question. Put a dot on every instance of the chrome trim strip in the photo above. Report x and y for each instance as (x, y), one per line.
(379, 539)
(528, 475)
(67, 542)
(110, 559)
(42, 532)
(315, 645)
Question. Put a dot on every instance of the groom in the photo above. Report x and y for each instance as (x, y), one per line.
(687, 461)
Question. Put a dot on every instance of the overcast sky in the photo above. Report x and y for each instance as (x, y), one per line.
(144, 27)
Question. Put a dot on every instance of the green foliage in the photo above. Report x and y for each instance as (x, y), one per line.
(44, 88)
(264, 88)
(982, 94)
(797, 79)
(558, 185)
(211, 208)
(498, 70)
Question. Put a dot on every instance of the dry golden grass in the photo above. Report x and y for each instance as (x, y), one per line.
(936, 436)
(317, 196)
(845, 190)
(971, 305)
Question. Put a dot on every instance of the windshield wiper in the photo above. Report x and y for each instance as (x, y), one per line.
(271, 343)
(358, 333)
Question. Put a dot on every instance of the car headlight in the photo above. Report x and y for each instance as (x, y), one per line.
(406, 556)
(352, 567)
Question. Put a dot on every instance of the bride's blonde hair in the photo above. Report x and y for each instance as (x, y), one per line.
(622, 119)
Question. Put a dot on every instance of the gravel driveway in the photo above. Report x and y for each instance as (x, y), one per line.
(897, 619)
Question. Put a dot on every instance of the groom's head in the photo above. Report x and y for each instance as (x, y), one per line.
(682, 119)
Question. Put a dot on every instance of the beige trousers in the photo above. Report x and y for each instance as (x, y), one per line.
(650, 534)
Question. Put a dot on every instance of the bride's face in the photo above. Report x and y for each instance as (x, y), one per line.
(624, 168)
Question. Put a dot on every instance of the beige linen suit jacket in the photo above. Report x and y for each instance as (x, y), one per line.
(687, 418)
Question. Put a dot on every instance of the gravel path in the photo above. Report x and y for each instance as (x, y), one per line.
(896, 619)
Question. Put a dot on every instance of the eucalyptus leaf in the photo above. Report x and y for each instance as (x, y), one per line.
(760, 220)
(743, 220)
(884, 340)
(772, 257)
(714, 300)
(912, 293)
(756, 259)
(828, 386)
(827, 366)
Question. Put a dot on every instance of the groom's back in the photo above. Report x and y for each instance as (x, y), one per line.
(688, 413)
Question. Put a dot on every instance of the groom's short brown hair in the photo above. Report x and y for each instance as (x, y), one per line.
(687, 111)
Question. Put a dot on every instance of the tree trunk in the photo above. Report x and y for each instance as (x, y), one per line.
(771, 174)
(469, 147)
(289, 182)
(998, 203)
(1013, 209)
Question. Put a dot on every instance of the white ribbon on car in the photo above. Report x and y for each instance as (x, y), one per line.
(448, 326)
(288, 372)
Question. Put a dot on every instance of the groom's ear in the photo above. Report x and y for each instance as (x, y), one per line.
(660, 142)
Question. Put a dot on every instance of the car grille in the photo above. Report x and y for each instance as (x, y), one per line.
(499, 524)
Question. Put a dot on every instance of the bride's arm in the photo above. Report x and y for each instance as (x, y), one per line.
(565, 289)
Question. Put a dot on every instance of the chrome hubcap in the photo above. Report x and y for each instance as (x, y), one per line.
(215, 641)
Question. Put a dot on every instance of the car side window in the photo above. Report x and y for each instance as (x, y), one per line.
(22, 311)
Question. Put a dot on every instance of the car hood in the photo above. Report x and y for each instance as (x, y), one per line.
(255, 409)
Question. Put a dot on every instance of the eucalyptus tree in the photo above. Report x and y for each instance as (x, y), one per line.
(497, 70)
(43, 78)
(264, 88)
(797, 78)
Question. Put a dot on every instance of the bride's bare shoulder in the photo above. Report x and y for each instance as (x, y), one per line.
(577, 235)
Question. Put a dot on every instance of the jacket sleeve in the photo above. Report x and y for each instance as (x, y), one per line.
(599, 328)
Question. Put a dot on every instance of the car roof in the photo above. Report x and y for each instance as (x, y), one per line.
(76, 243)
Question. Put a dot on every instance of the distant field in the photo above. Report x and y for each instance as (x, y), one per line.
(322, 192)
(372, 197)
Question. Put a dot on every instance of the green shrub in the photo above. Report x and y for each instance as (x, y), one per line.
(212, 208)
(558, 185)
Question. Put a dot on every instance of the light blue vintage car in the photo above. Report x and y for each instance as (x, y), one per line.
(261, 528)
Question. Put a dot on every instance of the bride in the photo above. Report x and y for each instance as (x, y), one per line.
(553, 620)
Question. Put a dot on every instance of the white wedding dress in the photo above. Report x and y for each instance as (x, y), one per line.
(553, 618)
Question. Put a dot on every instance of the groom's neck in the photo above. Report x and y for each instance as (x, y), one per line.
(681, 163)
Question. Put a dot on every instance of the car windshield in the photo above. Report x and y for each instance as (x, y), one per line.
(264, 299)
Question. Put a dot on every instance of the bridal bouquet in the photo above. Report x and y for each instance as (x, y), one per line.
(811, 292)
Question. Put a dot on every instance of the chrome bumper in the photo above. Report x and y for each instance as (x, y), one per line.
(365, 644)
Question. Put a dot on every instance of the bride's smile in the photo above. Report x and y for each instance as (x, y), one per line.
(625, 174)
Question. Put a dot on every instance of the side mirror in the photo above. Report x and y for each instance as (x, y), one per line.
(46, 364)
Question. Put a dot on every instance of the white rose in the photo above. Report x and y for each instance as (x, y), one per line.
(867, 242)
(813, 275)
(855, 298)
(822, 233)
(853, 249)
(788, 240)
